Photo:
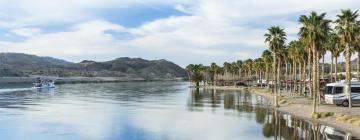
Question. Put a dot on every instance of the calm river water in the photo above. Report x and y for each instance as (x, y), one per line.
(146, 111)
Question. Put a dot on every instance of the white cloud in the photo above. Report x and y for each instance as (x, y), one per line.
(87, 40)
(34, 12)
(211, 30)
(26, 32)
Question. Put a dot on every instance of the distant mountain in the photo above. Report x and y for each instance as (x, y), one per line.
(20, 61)
(18, 64)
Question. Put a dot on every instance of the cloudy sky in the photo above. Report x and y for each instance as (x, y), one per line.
(182, 31)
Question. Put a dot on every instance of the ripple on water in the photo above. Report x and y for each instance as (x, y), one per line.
(151, 110)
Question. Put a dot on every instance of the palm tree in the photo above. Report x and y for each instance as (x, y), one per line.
(248, 66)
(267, 58)
(189, 68)
(357, 49)
(282, 59)
(227, 70)
(214, 69)
(284, 56)
(293, 55)
(258, 67)
(239, 66)
(275, 38)
(347, 28)
(194, 72)
(314, 31)
(301, 56)
(335, 48)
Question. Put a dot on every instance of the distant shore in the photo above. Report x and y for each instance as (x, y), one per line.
(301, 107)
(60, 80)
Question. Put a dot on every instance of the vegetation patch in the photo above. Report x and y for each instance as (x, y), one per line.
(320, 115)
(281, 99)
(355, 119)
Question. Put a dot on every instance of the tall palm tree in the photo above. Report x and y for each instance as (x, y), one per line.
(213, 68)
(294, 55)
(189, 68)
(282, 58)
(195, 73)
(335, 48)
(347, 27)
(314, 31)
(356, 48)
(239, 66)
(258, 67)
(267, 58)
(300, 57)
(275, 38)
(286, 59)
(227, 71)
(248, 66)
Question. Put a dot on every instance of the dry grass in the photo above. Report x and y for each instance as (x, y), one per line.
(320, 115)
(281, 99)
(349, 119)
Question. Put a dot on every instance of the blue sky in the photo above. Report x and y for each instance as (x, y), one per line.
(182, 31)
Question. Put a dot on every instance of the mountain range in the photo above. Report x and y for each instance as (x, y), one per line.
(20, 65)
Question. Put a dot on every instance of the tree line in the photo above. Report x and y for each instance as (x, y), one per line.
(296, 63)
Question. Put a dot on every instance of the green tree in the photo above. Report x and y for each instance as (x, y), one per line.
(347, 28)
(275, 38)
(335, 48)
(267, 58)
(314, 32)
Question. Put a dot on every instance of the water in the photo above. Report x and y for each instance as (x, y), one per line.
(146, 111)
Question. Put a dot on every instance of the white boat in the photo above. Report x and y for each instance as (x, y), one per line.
(44, 84)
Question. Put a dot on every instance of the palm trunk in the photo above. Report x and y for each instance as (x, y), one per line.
(300, 71)
(335, 70)
(310, 74)
(295, 79)
(322, 66)
(286, 75)
(274, 78)
(261, 84)
(317, 76)
(314, 78)
(289, 76)
(303, 75)
(332, 67)
(348, 74)
(267, 75)
(358, 66)
(278, 77)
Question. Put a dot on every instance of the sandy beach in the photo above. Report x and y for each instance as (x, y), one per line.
(301, 107)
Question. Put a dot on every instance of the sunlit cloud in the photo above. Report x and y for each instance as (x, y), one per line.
(207, 30)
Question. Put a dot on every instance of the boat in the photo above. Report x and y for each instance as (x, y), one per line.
(44, 83)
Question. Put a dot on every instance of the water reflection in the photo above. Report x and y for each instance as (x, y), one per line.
(275, 124)
(146, 111)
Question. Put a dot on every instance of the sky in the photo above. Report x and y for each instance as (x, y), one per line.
(182, 31)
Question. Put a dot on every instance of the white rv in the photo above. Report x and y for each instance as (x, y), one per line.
(335, 93)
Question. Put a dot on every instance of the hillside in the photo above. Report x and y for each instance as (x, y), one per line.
(18, 64)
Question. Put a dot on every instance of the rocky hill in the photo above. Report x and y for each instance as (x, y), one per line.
(18, 64)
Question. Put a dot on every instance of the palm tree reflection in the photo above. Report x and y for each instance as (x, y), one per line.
(275, 124)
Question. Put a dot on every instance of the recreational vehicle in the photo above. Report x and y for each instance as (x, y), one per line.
(335, 93)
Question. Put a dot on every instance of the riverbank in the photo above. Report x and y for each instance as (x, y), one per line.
(301, 107)
(60, 80)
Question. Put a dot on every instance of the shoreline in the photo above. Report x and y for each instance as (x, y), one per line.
(63, 80)
(301, 107)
